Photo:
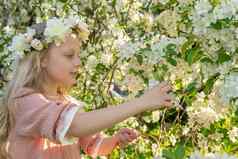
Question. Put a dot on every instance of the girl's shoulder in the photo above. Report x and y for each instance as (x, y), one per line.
(24, 91)
(75, 101)
(31, 94)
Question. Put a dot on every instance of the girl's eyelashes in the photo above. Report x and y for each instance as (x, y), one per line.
(70, 55)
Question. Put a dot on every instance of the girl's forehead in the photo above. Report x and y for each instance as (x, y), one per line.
(70, 44)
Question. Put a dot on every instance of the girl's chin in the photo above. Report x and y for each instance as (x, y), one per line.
(70, 82)
(73, 82)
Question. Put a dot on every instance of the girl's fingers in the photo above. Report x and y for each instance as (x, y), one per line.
(123, 141)
(125, 138)
(168, 97)
(163, 84)
(166, 89)
(132, 134)
(128, 135)
(168, 103)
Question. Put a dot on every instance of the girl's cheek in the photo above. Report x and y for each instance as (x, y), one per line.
(60, 70)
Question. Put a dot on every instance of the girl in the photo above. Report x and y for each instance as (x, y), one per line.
(39, 120)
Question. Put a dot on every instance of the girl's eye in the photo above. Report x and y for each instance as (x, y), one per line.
(70, 56)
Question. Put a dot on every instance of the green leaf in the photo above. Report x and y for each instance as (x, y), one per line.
(168, 154)
(101, 68)
(171, 49)
(64, 1)
(193, 55)
(214, 2)
(157, 8)
(209, 83)
(179, 152)
(221, 24)
(114, 3)
(191, 87)
(139, 58)
(174, 153)
(206, 59)
(171, 60)
(187, 45)
(223, 56)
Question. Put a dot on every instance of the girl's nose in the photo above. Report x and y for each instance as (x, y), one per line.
(77, 61)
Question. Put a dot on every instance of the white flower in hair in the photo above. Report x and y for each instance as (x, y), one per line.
(83, 30)
(19, 44)
(29, 34)
(55, 29)
(71, 21)
(81, 27)
(36, 44)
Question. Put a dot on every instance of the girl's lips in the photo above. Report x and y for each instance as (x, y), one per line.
(73, 74)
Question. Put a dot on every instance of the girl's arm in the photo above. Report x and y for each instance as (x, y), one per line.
(99, 146)
(86, 123)
(107, 146)
(102, 145)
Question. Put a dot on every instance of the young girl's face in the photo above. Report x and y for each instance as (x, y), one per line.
(62, 62)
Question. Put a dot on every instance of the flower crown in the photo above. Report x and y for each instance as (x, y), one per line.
(54, 31)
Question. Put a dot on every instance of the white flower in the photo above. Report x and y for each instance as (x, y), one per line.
(163, 1)
(219, 156)
(82, 28)
(71, 21)
(202, 7)
(185, 131)
(83, 31)
(198, 155)
(233, 134)
(55, 28)
(55, 31)
(36, 44)
(91, 62)
(19, 44)
(127, 49)
(158, 48)
(133, 83)
(29, 34)
(202, 117)
(172, 139)
(106, 58)
(229, 88)
(156, 116)
(225, 10)
(201, 18)
(169, 19)
(9, 30)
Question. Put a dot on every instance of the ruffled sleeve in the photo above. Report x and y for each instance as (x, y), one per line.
(37, 116)
(65, 121)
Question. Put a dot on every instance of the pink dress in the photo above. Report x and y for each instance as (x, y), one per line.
(39, 128)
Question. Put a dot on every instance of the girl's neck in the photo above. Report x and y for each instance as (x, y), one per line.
(50, 88)
(58, 97)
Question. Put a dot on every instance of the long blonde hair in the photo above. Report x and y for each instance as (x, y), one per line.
(27, 73)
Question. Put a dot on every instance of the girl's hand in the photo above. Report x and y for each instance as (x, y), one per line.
(125, 136)
(157, 97)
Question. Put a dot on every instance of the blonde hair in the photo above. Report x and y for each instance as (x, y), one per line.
(28, 73)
